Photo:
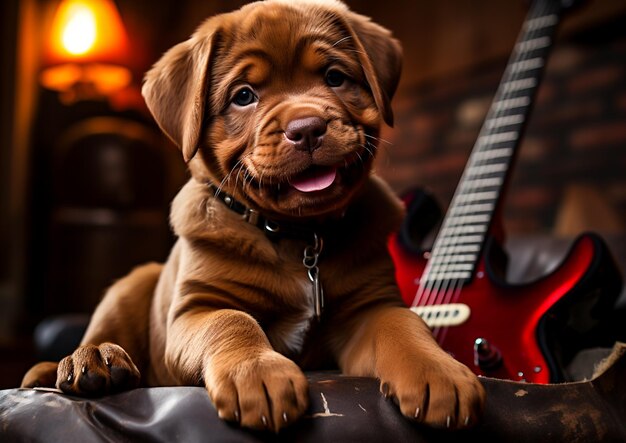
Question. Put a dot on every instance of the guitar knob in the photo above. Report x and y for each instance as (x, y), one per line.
(486, 356)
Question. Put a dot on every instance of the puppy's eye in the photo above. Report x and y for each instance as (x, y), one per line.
(335, 78)
(244, 97)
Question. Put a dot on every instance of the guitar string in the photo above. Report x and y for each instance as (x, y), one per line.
(453, 288)
(432, 289)
(442, 290)
(519, 55)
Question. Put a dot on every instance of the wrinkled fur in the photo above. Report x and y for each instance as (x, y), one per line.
(232, 310)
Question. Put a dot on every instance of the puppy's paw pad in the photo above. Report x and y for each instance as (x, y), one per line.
(123, 373)
(457, 402)
(97, 370)
(265, 393)
(449, 398)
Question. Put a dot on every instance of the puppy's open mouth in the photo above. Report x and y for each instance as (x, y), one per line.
(315, 190)
(315, 178)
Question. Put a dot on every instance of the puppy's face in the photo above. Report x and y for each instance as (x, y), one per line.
(292, 97)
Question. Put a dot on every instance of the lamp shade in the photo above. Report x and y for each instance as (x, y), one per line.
(87, 43)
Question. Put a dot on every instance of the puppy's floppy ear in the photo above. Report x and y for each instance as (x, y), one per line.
(176, 87)
(381, 57)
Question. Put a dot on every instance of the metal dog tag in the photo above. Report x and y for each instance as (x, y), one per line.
(318, 293)
(311, 256)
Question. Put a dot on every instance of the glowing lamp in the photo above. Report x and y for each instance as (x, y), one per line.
(86, 51)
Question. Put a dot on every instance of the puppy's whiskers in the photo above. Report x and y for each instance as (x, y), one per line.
(240, 170)
(376, 145)
(227, 177)
(237, 167)
(359, 156)
(247, 178)
(369, 148)
(260, 180)
(341, 40)
(379, 139)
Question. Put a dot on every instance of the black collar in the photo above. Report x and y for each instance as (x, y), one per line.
(273, 229)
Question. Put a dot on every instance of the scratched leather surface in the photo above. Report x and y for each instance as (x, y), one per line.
(343, 409)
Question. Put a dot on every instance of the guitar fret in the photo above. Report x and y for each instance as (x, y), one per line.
(447, 276)
(476, 196)
(456, 249)
(493, 153)
(459, 267)
(501, 137)
(486, 169)
(519, 85)
(531, 45)
(463, 239)
(541, 22)
(463, 229)
(450, 267)
(511, 103)
(465, 219)
(508, 120)
(471, 209)
(526, 65)
(483, 182)
(462, 258)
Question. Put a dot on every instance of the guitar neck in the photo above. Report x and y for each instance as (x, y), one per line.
(458, 246)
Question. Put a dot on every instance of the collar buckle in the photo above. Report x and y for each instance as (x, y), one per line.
(272, 228)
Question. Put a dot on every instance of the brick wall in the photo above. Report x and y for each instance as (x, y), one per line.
(571, 171)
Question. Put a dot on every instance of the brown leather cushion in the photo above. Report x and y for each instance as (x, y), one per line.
(342, 409)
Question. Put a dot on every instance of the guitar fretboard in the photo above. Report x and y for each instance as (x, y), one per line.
(459, 243)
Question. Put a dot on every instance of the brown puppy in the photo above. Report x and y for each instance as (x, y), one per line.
(277, 109)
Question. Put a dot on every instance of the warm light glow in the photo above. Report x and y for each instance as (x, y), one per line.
(106, 78)
(86, 30)
(79, 34)
(86, 51)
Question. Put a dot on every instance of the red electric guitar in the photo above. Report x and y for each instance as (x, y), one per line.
(526, 332)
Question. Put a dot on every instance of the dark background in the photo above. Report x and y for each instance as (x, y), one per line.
(77, 212)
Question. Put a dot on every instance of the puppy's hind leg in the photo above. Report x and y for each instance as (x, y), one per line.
(123, 315)
(43, 374)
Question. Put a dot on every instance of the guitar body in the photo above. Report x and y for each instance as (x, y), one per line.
(533, 329)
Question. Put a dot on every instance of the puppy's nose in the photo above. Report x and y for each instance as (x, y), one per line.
(306, 133)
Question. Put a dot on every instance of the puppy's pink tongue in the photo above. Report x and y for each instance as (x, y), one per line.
(314, 179)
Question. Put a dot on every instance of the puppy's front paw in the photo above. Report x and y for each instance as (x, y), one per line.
(264, 392)
(439, 392)
(97, 370)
